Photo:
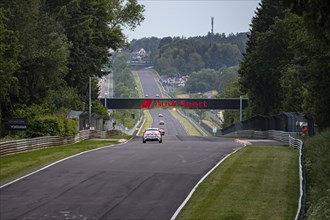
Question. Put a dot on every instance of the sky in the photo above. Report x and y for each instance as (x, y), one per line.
(189, 18)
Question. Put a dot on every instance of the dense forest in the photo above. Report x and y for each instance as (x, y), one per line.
(49, 49)
(209, 79)
(124, 87)
(148, 44)
(184, 56)
(287, 60)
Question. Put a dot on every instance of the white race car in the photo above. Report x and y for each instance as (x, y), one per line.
(162, 131)
(152, 134)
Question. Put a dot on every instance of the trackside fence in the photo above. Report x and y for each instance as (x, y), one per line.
(271, 134)
(16, 146)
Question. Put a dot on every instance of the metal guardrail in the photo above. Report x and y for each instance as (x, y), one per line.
(271, 134)
(295, 143)
(16, 146)
(299, 144)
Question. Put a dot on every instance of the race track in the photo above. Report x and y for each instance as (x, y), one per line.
(127, 181)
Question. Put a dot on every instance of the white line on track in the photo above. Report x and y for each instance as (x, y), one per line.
(200, 181)
(52, 164)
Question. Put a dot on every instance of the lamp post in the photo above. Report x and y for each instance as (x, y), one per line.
(240, 109)
(105, 100)
(90, 101)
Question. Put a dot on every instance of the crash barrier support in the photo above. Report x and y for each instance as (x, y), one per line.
(16, 146)
(299, 144)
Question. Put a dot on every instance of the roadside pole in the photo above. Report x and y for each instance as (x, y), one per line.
(90, 103)
(240, 108)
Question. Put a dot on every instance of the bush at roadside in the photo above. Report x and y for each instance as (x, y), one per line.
(42, 122)
(52, 126)
(317, 163)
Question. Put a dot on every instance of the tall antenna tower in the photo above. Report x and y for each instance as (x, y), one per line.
(212, 19)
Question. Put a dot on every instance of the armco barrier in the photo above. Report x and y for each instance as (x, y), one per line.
(299, 144)
(11, 147)
(271, 134)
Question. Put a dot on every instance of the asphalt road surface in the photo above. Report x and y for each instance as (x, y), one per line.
(128, 181)
(150, 88)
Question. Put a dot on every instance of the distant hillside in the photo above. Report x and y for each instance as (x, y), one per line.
(211, 61)
(148, 44)
(239, 39)
(173, 56)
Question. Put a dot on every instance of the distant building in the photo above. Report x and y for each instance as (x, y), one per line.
(142, 52)
(138, 55)
(82, 118)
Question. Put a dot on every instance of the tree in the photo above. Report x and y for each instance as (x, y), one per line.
(185, 56)
(201, 81)
(292, 89)
(49, 46)
(265, 14)
(41, 62)
(293, 74)
(225, 76)
(124, 82)
(220, 55)
(316, 16)
(260, 70)
(210, 79)
(93, 27)
(149, 44)
(64, 99)
(9, 51)
(314, 56)
(231, 91)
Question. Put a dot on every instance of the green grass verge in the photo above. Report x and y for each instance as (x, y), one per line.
(138, 83)
(189, 128)
(147, 123)
(125, 117)
(254, 183)
(148, 118)
(13, 166)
